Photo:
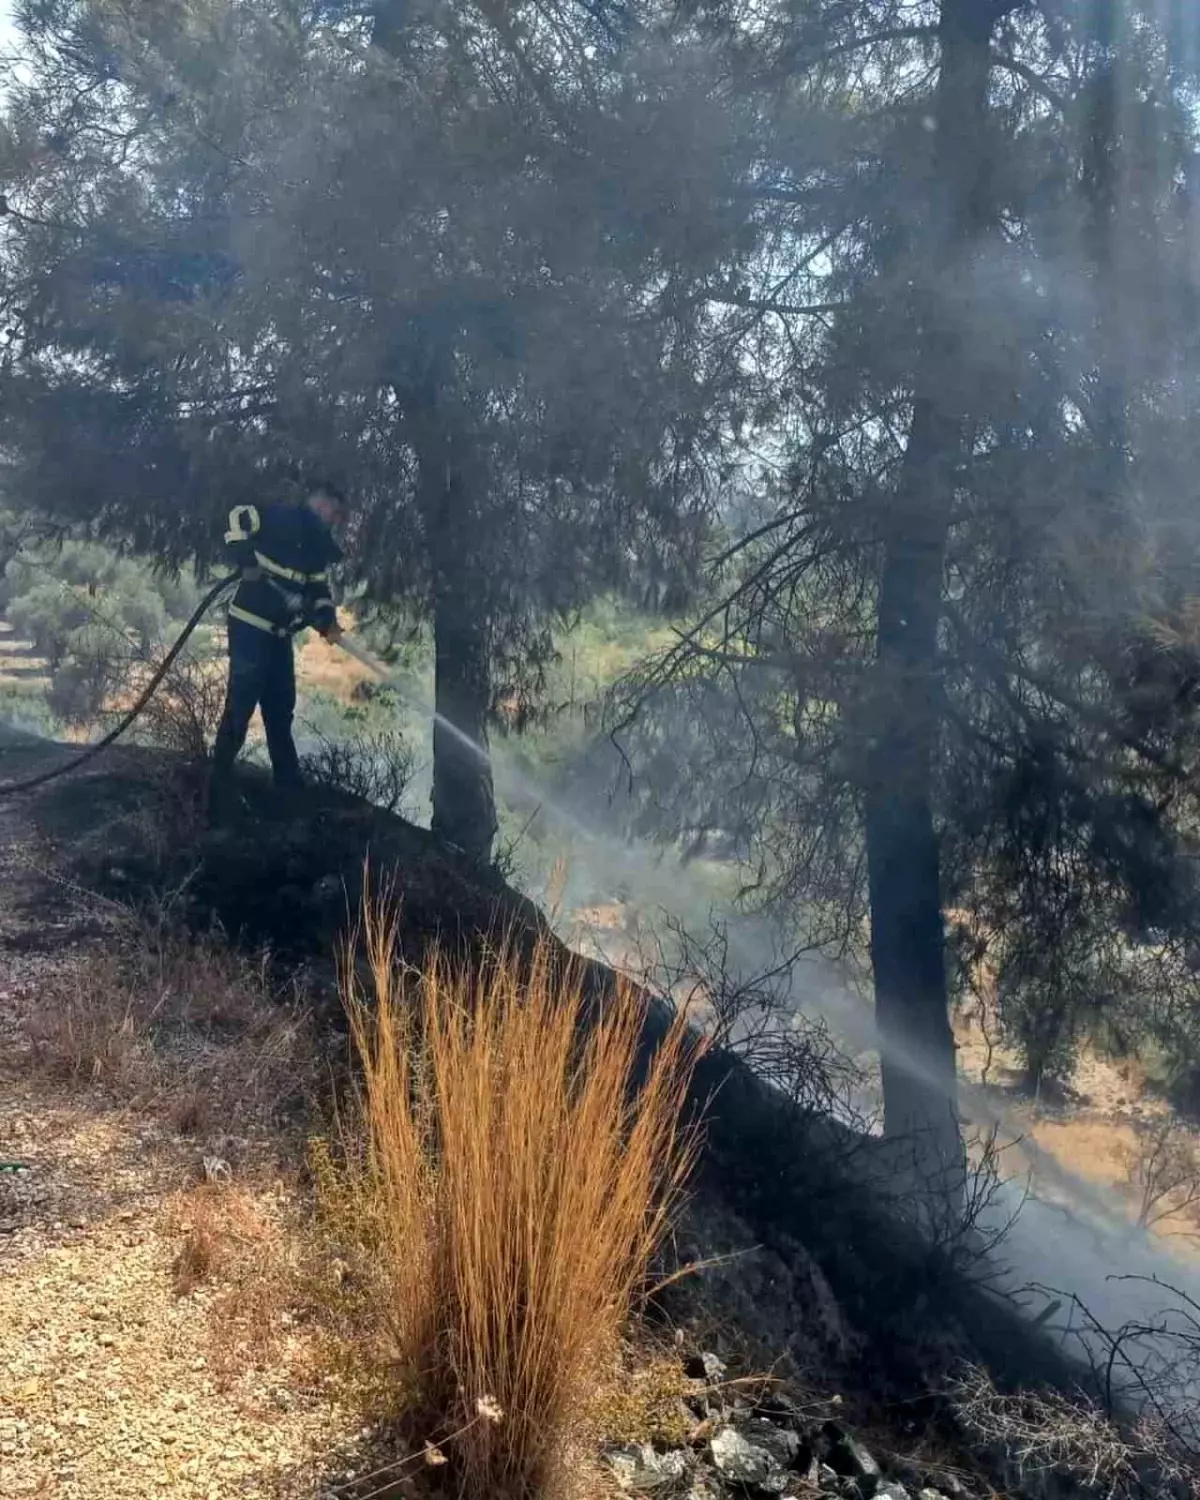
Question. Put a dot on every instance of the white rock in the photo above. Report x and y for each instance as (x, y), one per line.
(738, 1459)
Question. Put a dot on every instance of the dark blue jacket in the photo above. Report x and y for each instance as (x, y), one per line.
(294, 550)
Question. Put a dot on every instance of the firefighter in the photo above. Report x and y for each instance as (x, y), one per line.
(285, 552)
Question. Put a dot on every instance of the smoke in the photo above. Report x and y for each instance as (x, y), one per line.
(1114, 1297)
(1112, 1294)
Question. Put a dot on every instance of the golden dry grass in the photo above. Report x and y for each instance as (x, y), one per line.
(513, 1184)
(216, 1222)
(208, 1035)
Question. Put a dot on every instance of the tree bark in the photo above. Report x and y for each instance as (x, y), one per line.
(464, 803)
(907, 934)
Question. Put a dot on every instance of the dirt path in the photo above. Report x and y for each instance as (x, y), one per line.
(128, 1367)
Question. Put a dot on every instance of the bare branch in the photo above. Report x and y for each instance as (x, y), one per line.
(796, 57)
(1027, 75)
(784, 309)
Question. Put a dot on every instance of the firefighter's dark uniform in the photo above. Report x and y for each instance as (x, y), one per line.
(293, 550)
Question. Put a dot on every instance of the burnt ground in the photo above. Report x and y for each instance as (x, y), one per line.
(285, 878)
(825, 1274)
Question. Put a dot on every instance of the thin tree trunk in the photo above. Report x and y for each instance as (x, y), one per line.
(907, 935)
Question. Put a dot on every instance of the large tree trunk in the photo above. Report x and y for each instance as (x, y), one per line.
(907, 936)
(464, 803)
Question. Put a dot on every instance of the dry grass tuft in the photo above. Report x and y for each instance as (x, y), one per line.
(192, 1113)
(191, 1027)
(91, 1027)
(517, 1174)
(263, 1270)
(196, 1260)
(216, 1222)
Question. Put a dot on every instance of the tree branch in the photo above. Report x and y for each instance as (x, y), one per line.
(767, 304)
(1001, 668)
(1035, 81)
(860, 43)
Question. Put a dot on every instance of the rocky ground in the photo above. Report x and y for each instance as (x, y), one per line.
(768, 1444)
(112, 1382)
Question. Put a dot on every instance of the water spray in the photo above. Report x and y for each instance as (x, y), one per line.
(1077, 1246)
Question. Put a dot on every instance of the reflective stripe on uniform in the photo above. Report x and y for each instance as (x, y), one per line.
(291, 575)
(269, 565)
(244, 522)
(236, 612)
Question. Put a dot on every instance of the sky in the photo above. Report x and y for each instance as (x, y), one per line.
(8, 39)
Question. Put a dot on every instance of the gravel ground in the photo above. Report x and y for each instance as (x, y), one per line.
(117, 1380)
(107, 1385)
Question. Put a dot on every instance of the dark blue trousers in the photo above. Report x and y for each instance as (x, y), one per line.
(262, 675)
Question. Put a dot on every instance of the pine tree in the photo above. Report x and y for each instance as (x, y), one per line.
(423, 252)
(928, 645)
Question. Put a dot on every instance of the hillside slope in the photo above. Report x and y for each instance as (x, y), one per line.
(808, 1267)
